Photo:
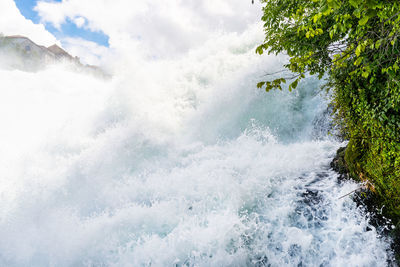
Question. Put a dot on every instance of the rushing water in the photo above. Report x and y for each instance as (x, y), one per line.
(178, 162)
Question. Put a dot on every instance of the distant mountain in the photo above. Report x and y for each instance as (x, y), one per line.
(19, 52)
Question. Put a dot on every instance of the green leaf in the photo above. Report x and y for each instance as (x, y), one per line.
(354, 3)
(378, 43)
(365, 74)
(358, 61)
(395, 67)
(363, 21)
(260, 84)
(293, 85)
(358, 50)
(260, 50)
(333, 4)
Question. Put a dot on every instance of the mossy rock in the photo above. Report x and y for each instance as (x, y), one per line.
(383, 197)
(352, 159)
(338, 164)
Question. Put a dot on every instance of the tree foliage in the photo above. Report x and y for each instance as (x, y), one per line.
(355, 44)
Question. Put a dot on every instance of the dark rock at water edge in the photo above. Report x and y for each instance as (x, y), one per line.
(338, 164)
(369, 202)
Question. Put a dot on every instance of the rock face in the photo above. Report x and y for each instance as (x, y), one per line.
(338, 164)
(19, 52)
(370, 203)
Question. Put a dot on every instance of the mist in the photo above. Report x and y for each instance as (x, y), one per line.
(174, 160)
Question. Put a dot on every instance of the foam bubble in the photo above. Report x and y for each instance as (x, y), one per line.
(174, 162)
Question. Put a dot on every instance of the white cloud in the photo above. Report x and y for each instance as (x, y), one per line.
(163, 28)
(12, 22)
(79, 22)
(88, 52)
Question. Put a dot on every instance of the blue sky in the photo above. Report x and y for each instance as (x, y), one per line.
(68, 29)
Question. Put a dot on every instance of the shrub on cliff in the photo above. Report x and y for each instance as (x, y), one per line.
(355, 45)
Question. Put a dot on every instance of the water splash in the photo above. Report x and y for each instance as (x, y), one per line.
(177, 162)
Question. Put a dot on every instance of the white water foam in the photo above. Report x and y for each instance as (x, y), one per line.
(178, 162)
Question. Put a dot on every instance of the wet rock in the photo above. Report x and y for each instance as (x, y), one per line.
(338, 164)
(370, 203)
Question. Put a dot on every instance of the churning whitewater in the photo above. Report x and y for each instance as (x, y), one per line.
(174, 162)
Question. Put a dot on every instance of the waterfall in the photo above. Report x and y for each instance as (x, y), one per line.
(175, 162)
